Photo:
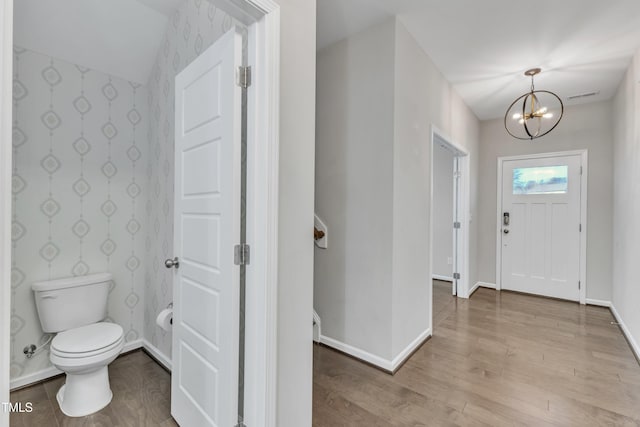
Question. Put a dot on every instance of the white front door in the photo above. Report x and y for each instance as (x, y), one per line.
(540, 232)
(204, 382)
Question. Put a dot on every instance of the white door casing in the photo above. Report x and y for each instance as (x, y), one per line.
(540, 247)
(204, 380)
(461, 252)
(456, 235)
(6, 99)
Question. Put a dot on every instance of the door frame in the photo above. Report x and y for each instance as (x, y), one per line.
(262, 206)
(6, 120)
(584, 160)
(263, 147)
(462, 249)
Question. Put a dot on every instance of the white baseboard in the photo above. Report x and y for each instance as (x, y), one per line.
(35, 377)
(133, 345)
(52, 371)
(444, 278)
(380, 362)
(482, 285)
(632, 342)
(408, 351)
(157, 354)
(598, 302)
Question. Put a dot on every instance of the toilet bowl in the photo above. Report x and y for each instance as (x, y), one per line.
(83, 354)
(84, 346)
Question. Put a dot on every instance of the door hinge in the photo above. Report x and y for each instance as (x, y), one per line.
(456, 224)
(243, 77)
(456, 276)
(580, 170)
(241, 254)
(579, 285)
(580, 228)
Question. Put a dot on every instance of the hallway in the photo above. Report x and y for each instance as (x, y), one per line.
(495, 359)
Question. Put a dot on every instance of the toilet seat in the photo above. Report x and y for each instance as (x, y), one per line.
(88, 341)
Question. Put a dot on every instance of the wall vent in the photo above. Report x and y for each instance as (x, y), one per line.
(583, 95)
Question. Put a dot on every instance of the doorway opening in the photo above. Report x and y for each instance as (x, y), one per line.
(92, 124)
(449, 220)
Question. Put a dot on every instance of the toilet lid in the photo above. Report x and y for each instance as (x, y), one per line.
(87, 338)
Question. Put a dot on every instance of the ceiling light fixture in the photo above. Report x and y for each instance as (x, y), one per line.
(531, 115)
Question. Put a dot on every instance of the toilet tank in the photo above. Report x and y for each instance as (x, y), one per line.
(72, 302)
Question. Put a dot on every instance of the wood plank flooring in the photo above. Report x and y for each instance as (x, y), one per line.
(141, 397)
(497, 359)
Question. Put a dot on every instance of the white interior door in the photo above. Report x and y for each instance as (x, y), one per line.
(457, 236)
(204, 382)
(540, 230)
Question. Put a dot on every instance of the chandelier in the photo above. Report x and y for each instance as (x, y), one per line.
(533, 114)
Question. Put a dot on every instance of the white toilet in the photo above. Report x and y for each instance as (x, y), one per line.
(74, 308)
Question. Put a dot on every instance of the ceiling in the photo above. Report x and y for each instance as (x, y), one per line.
(483, 47)
(117, 37)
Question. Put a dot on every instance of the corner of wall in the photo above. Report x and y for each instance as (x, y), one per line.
(626, 132)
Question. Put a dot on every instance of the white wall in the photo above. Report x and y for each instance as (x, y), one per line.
(295, 232)
(80, 139)
(582, 127)
(442, 211)
(378, 96)
(423, 97)
(354, 167)
(626, 199)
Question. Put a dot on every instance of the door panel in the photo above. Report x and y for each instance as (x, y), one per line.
(204, 383)
(517, 255)
(560, 235)
(537, 239)
(541, 243)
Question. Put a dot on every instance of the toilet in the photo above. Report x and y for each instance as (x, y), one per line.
(84, 345)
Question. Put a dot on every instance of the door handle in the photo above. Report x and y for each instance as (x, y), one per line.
(172, 263)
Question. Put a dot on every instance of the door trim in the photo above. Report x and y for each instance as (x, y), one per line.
(6, 103)
(584, 157)
(462, 253)
(263, 147)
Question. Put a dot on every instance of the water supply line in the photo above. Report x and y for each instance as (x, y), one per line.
(32, 350)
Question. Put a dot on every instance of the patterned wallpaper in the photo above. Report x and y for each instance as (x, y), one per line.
(191, 29)
(80, 149)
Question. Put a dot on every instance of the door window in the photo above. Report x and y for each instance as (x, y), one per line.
(541, 180)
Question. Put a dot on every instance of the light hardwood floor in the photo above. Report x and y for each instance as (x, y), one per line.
(497, 359)
(141, 397)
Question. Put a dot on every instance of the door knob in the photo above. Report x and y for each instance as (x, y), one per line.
(505, 231)
(172, 263)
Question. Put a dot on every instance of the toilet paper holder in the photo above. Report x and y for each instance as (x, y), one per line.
(164, 320)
